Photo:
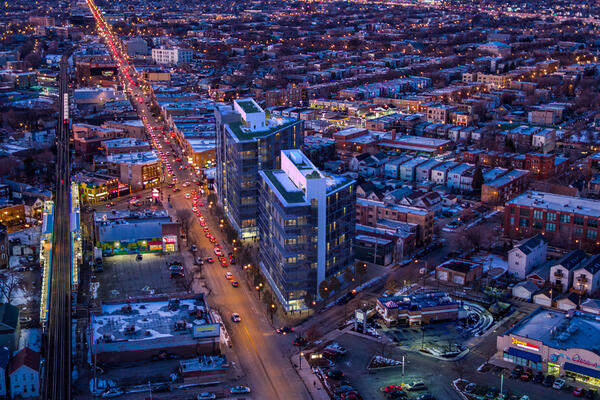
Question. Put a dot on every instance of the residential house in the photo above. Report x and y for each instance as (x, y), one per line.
(423, 171)
(454, 175)
(408, 169)
(568, 301)
(586, 278)
(439, 174)
(459, 272)
(24, 374)
(524, 290)
(591, 306)
(527, 255)
(544, 298)
(561, 273)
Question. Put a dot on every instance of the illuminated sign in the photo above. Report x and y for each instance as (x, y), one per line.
(206, 330)
(525, 345)
(577, 358)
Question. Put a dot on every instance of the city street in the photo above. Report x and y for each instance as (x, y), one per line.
(268, 372)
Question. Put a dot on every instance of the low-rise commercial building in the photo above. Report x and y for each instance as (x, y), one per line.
(140, 329)
(556, 343)
(417, 309)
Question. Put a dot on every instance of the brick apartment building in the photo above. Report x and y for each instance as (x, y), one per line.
(369, 212)
(565, 221)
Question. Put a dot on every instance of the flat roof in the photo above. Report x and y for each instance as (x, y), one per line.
(145, 320)
(557, 202)
(275, 124)
(555, 329)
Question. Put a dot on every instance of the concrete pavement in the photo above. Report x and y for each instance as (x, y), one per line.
(268, 371)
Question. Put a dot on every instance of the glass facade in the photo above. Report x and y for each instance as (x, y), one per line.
(515, 359)
(238, 161)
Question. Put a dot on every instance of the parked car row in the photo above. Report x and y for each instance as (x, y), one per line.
(556, 383)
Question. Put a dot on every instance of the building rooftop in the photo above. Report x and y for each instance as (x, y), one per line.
(559, 203)
(417, 301)
(556, 329)
(140, 157)
(273, 125)
(150, 319)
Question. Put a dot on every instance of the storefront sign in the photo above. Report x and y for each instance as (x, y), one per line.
(210, 330)
(576, 358)
(525, 345)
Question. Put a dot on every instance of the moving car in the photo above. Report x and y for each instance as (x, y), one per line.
(285, 330)
(235, 317)
(228, 275)
(210, 260)
(206, 396)
(235, 284)
(139, 257)
(239, 390)
(177, 274)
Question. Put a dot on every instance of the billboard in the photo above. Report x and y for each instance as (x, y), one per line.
(210, 330)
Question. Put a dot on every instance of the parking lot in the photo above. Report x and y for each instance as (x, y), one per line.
(438, 338)
(418, 369)
(124, 276)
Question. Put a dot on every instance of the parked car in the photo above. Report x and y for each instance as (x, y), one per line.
(391, 388)
(548, 381)
(527, 375)
(112, 392)
(300, 341)
(164, 387)
(470, 387)
(139, 257)
(206, 396)
(538, 377)
(590, 394)
(417, 387)
(335, 374)
(578, 392)
(239, 390)
(194, 247)
(175, 267)
(558, 384)
(426, 396)
(516, 372)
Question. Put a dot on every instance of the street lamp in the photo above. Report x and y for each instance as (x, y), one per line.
(300, 360)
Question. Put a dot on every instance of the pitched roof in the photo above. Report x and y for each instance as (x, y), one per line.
(9, 317)
(528, 245)
(592, 264)
(572, 259)
(26, 357)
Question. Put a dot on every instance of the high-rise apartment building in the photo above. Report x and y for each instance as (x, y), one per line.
(306, 222)
(247, 142)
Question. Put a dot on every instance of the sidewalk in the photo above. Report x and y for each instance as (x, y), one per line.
(311, 381)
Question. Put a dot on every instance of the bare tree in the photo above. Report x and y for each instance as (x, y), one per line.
(10, 283)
